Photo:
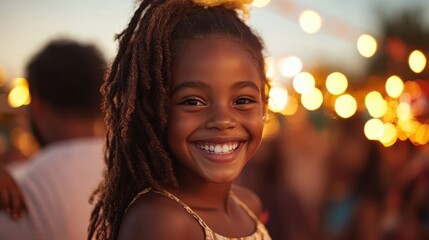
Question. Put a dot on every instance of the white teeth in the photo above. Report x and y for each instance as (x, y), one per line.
(219, 148)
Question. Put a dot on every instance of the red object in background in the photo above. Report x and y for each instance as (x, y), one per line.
(421, 104)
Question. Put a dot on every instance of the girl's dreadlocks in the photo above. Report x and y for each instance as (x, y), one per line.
(136, 99)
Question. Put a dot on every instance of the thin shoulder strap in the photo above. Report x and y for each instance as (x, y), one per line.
(207, 230)
(184, 205)
(144, 191)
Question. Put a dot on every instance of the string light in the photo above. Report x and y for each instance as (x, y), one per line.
(312, 100)
(367, 45)
(417, 61)
(310, 21)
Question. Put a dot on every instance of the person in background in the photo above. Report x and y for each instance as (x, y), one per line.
(353, 193)
(65, 116)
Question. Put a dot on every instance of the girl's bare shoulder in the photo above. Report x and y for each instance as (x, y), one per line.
(250, 198)
(153, 216)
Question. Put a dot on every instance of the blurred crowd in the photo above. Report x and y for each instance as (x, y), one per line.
(328, 181)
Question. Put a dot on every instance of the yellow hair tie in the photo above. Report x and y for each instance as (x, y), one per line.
(242, 5)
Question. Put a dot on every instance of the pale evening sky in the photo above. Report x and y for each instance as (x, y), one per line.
(27, 25)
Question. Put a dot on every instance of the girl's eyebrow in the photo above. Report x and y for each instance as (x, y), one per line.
(189, 84)
(247, 83)
(202, 85)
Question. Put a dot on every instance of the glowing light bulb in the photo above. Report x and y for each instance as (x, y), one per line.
(345, 106)
(394, 86)
(367, 45)
(403, 111)
(20, 82)
(291, 107)
(290, 66)
(312, 100)
(336, 83)
(303, 82)
(373, 129)
(310, 21)
(278, 98)
(417, 61)
(389, 135)
(18, 96)
(375, 104)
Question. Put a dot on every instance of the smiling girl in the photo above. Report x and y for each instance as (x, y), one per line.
(184, 103)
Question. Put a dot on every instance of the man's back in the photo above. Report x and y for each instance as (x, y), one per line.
(56, 185)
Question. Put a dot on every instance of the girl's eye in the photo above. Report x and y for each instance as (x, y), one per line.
(192, 102)
(244, 100)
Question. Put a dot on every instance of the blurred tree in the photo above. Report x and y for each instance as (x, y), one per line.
(400, 34)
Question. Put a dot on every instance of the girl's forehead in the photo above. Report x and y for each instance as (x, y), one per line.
(212, 47)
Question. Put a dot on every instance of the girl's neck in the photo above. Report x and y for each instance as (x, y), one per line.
(200, 194)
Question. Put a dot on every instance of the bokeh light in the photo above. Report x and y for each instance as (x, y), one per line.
(422, 134)
(409, 126)
(260, 3)
(390, 114)
(375, 104)
(417, 61)
(278, 98)
(345, 106)
(336, 83)
(290, 66)
(389, 135)
(271, 126)
(18, 96)
(269, 67)
(3, 75)
(23, 141)
(367, 45)
(373, 129)
(394, 86)
(291, 106)
(312, 100)
(20, 82)
(413, 89)
(310, 21)
(403, 111)
(303, 82)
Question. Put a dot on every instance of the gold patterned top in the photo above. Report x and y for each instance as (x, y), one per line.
(260, 233)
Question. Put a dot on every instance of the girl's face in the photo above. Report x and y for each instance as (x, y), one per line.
(215, 118)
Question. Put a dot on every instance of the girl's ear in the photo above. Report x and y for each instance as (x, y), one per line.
(265, 116)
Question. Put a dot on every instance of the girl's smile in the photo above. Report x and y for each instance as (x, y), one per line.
(216, 108)
(221, 150)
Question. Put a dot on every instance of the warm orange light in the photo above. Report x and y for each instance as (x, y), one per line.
(394, 86)
(312, 100)
(336, 83)
(345, 106)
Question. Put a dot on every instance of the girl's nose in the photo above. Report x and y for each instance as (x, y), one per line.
(221, 117)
